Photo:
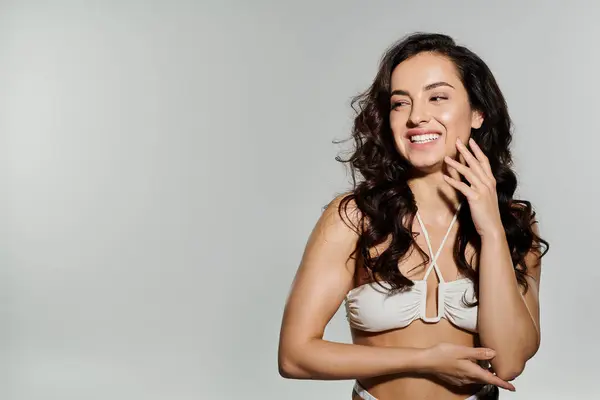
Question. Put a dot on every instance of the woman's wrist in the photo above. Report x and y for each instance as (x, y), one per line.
(427, 361)
(417, 360)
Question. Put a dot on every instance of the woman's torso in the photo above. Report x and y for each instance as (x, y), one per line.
(420, 334)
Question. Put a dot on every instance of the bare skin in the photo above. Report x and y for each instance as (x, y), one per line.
(420, 334)
(422, 360)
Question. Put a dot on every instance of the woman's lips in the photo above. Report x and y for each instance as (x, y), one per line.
(423, 140)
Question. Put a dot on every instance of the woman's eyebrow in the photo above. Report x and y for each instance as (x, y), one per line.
(434, 85)
(437, 84)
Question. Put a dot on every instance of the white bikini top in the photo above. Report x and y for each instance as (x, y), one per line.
(371, 308)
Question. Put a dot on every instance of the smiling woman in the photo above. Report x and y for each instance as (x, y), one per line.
(442, 104)
(436, 263)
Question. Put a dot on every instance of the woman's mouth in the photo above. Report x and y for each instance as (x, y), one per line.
(424, 138)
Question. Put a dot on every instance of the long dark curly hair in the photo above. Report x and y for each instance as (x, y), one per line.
(383, 196)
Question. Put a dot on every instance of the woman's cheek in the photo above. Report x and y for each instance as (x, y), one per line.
(446, 116)
(394, 118)
(456, 124)
(396, 125)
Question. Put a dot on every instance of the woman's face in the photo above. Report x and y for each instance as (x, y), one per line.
(429, 110)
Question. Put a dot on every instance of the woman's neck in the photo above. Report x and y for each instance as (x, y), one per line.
(435, 198)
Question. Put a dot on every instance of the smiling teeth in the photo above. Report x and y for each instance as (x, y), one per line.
(424, 138)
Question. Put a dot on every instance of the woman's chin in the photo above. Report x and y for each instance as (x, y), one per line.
(427, 165)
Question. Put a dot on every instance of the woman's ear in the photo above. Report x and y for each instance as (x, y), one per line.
(476, 119)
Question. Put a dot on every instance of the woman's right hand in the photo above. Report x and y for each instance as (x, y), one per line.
(458, 366)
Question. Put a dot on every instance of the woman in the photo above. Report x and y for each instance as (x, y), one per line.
(437, 265)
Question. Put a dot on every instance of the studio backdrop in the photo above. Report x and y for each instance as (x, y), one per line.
(162, 164)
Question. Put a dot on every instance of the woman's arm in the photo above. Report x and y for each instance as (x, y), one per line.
(508, 322)
(322, 281)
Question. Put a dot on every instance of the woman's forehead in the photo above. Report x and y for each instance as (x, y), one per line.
(424, 69)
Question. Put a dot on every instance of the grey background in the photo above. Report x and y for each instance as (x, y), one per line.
(163, 162)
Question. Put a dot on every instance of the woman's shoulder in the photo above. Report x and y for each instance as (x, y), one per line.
(343, 209)
(341, 218)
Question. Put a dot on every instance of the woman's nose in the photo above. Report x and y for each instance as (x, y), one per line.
(418, 114)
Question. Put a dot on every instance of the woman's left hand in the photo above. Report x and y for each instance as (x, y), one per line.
(481, 194)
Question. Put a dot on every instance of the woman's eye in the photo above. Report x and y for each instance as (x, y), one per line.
(439, 98)
(398, 104)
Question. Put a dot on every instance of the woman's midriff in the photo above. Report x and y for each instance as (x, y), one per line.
(411, 385)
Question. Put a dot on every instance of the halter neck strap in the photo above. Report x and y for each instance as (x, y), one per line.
(433, 261)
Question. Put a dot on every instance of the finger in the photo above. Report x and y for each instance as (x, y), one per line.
(453, 172)
(486, 376)
(485, 162)
(470, 159)
(460, 186)
(465, 171)
(494, 380)
(480, 353)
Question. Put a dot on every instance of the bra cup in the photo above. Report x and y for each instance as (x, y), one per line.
(456, 305)
(373, 309)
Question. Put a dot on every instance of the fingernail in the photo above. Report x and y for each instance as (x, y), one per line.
(458, 141)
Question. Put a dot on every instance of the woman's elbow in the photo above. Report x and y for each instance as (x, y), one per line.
(288, 366)
(287, 369)
(510, 372)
